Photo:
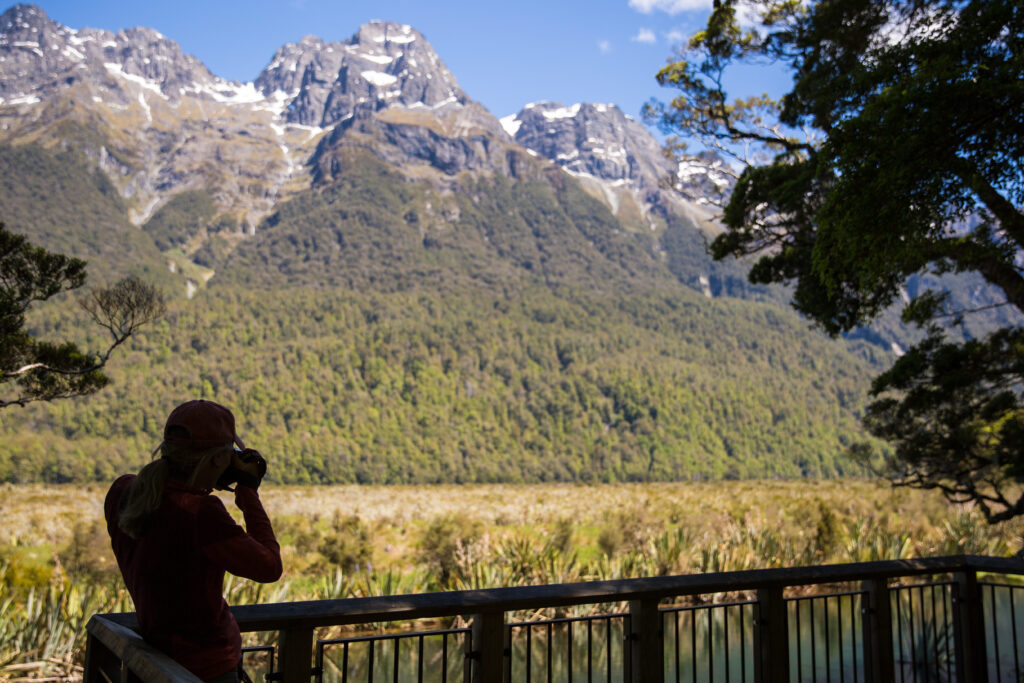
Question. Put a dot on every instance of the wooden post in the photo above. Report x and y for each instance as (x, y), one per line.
(771, 637)
(489, 647)
(876, 626)
(295, 655)
(969, 629)
(101, 665)
(646, 642)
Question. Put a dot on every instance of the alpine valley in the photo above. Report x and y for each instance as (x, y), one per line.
(389, 284)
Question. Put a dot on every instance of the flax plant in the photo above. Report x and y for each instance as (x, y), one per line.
(504, 536)
(42, 634)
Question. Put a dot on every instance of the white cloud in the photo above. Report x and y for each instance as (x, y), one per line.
(669, 6)
(675, 36)
(605, 46)
(644, 35)
(748, 15)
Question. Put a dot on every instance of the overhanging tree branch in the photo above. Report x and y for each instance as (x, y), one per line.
(1011, 220)
(915, 134)
(41, 371)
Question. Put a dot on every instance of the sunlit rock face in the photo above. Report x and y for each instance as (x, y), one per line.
(593, 139)
(158, 123)
(39, 57)
(616, 158)
(382, 65)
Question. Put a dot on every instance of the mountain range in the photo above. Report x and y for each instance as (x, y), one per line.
(390, 283)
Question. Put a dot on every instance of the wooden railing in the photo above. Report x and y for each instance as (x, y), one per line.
(116, 652)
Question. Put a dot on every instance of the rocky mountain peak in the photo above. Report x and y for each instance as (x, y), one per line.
(21, 18)
(149, 54)
(591, 139)
(25, 21)
(39, 56)
(384, 64)
(31, 46)
(387, 34)
(311, 42)
(599, 143)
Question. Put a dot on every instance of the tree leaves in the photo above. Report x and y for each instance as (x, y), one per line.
(914, 164)
(44, 371)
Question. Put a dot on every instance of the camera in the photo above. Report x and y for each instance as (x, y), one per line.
(233, 475)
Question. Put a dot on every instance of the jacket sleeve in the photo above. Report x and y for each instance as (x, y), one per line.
(253, 552)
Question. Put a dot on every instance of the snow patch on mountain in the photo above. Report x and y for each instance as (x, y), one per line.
(561, 112)
(312, 131)
(29, 45)
(145, 107)
(235, 93)
(73, 54)
(22, 99)
(511, 124)
(379, 78)
(705, 285)
(401, 39)
(378, 59)
(279, 132)
(698, 171)
(118, 70)
(275, 103)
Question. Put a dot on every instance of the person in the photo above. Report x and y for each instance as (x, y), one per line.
(174, 541)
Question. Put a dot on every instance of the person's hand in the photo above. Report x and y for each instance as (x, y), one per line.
(251, 467)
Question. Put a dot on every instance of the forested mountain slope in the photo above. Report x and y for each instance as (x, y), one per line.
(389, 287)
(375, 330)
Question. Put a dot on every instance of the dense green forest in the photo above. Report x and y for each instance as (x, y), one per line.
(377, 330)
(338, 386)
(59, 202)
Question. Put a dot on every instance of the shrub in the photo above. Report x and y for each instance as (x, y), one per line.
(347, 544)
(441, 542)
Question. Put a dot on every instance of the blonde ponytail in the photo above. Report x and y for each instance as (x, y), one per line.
(147, 491)
(144, 497)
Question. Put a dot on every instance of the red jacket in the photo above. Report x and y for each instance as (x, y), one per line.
(175, 571)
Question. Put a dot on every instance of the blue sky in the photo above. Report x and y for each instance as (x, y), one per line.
(504, 54)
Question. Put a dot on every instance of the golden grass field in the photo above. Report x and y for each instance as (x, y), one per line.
(342, 541)
(393, 518)
(38, 514)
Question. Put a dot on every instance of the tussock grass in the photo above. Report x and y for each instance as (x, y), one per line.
(56, 567)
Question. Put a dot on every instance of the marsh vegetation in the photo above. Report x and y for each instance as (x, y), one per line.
(56, 568)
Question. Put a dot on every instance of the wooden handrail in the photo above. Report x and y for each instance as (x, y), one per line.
(146, 662)
(300, 618)
(316, 613)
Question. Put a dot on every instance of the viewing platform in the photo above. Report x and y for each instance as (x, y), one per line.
(932, 619)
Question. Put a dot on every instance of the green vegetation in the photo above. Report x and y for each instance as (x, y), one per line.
(371, 230)
(910, 163)
(420, 387)
(378, 331)
(61, 203)
(32, 369)
(353, 541)
(183, 217)
(686, 248)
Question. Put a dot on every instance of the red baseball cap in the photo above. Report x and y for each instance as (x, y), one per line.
(208, 424)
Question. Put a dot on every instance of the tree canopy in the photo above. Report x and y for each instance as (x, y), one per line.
(41, 370)
(899, 150)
